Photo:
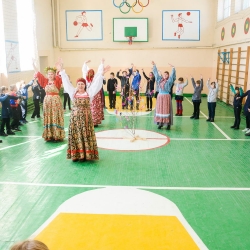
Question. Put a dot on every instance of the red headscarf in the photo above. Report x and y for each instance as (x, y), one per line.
(81, 80)
(88, 77)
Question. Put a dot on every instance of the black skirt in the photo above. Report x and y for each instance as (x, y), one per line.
(179, 97)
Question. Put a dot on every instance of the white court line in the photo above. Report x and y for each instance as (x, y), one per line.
(213, 123)
(183, 116)
(206, 139)
(1, 149)
(139, 187)
(23, 136)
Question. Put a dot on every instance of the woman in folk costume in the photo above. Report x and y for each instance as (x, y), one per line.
(82, 143)
(97, 103)
(53, 121)
(164, 111)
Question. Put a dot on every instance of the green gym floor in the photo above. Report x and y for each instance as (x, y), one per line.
(204, 170)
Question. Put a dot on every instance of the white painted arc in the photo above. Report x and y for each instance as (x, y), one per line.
(122, 201)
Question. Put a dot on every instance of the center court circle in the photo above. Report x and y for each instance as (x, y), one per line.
(122, 140)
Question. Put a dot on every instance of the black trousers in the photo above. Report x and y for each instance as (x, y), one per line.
(36, 112)
(149, 102)
(211, 109)
(248, 121)
(112, 99)
(5, 122)
(196, 113)
(65, 100)
(16, 116)
(237, 112)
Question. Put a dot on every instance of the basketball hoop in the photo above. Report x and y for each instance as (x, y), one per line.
(130, 40)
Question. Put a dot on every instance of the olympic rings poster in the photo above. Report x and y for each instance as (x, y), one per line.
(84, 25)
(181, 25)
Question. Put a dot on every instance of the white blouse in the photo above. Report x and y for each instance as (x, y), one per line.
(91, 90)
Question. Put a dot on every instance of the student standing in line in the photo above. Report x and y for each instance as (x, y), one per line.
(124, 87)
(246, 111)
(36, 99)
(135, 86)
(111, 88)
(66, 99)
(237, 104)
(6, 111)
(149, 89)
(23, 90)
(179, 95)
(213, 88)
(196, 98)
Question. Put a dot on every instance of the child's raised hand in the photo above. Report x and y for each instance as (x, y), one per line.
(88, 61)
(171, 65)
(201, 77)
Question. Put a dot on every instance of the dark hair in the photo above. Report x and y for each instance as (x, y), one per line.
(112, 74)
(166, 72)
(137, 70)
(198, 81)
(213, 83)
(181, 79)
(153, 76)
(124, 71)
(237, 88)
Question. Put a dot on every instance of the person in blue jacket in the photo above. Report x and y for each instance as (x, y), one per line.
(6, 111)
(135, 86)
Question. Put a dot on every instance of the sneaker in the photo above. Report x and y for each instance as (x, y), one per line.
(1, 141)
(3, 134)
(10, 132)
(25, 121)
(212, 120)
(248, 131)
(168, 127)
(245, 130)
(232, 126)
(17, 129)
(192, 117)
(236, 128)
(247, 134)
(208, 120)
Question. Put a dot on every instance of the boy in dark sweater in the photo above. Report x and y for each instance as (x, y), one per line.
(237, 104)
(111, 88)
(196, 98)
(124, 87)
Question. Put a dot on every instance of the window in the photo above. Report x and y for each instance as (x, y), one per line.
(224, 9)
(26, 33)
(246, 4)
(2, 42)
(241, 5)
(238, 6)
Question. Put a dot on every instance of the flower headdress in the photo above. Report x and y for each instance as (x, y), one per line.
(50, 69)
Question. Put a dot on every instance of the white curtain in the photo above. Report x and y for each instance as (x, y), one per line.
(26, 33)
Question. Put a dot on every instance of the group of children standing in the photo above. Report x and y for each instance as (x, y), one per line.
(14, 105)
